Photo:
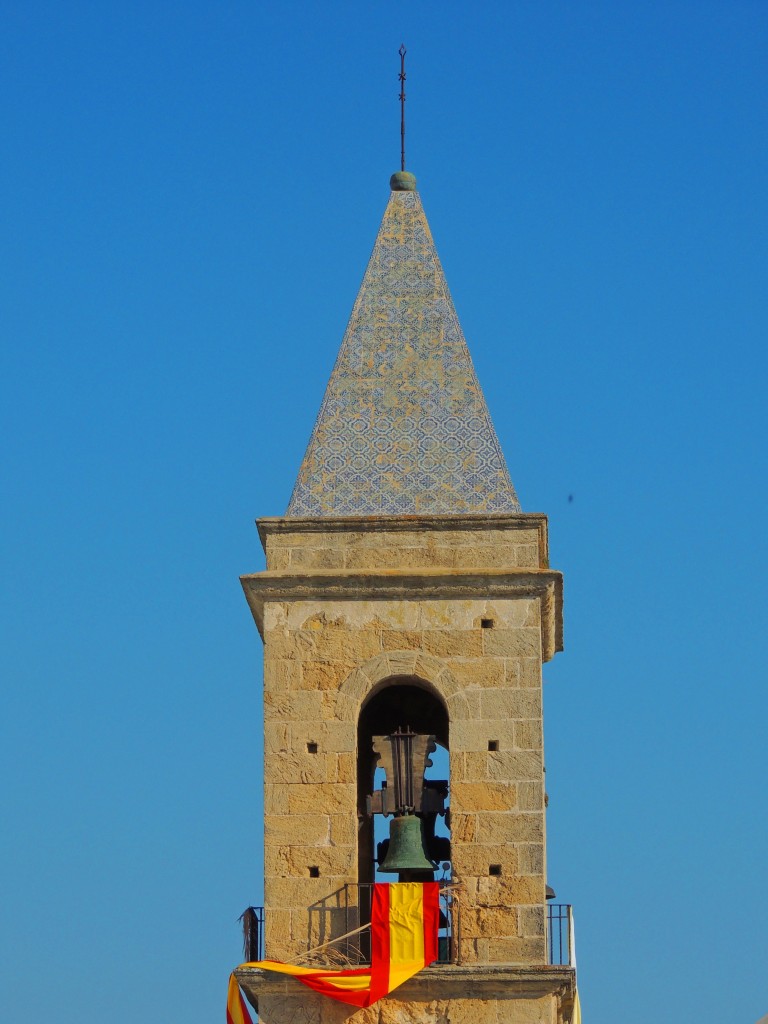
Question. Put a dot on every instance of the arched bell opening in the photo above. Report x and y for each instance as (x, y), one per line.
(402, 744)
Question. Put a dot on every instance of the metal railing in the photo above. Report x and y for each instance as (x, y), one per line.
(353, 909)
(252, 919)
(357, 912)
(559, 952)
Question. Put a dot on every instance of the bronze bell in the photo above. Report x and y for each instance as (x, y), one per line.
(407, 849)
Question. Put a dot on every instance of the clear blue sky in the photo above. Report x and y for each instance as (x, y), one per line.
(190, 193)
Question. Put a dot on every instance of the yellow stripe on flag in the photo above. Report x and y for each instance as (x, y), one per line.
(406, 931)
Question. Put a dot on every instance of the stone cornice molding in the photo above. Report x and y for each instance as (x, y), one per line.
(449, 981)
(424, 584)
(269, 526)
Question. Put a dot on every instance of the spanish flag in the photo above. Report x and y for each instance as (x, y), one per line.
(404, 924)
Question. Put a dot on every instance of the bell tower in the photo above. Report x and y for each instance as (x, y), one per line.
(406, 610)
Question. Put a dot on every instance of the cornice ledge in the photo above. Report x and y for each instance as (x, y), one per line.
(408, 584)
(450, 981)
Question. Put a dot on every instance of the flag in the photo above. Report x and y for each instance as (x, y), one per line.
(576, 1013)
(404, 924)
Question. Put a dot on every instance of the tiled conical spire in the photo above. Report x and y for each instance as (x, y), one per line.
(403, 428)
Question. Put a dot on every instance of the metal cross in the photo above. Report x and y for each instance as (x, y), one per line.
(402, 51)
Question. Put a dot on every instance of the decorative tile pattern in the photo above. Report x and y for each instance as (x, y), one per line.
(403, 428)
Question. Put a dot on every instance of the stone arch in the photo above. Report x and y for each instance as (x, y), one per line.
(363, 681)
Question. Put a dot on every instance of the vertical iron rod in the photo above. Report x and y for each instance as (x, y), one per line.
(402, 51)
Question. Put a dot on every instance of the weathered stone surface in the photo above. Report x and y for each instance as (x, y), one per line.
(515, 764)
(483, 796)
(446, 642)
(528, 735)
(480, 672)
(475, 735)
(517, 950)
(481, 655)
(530, 796)
(511, 643)
(333, 798)
(530, 858)
(343, 829)
(511, 703)
(285, 829)
(533, 921)
(293, 767)
(290, 860)
(281, 673)
(514, 827)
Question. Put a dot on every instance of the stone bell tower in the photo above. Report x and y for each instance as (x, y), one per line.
(405, 589)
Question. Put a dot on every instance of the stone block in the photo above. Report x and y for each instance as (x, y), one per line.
(517, 951)
(473, 861)
(343, 829)
(321, 674)
(533, 921)
(281, 673)
(276, 798)
(512, 672)
(346, 767)
(316, 558)
(476, 765)
(298, 893)
(530, 858)
(527, 556)
(479, 672)
(338, 737)
(511, 703)
(530, 796)
(326, 798)
(295, 767)
(278, 558)
(277, 737)
(463, 827)
(515, 765)
(483, 796)
(400, 639)
(454, 642)
(475, 735)
(291, 705)
(513, 890)
(286, 829)
(335, 644)
(530, 672)
(401, 662)
(464, 705)
(528, 735)
(509, 827)
(287, 861)
(512, 643)
(288, 645)
(488, 922)
(486, 557)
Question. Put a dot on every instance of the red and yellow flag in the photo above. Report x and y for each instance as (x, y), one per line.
(404, 925)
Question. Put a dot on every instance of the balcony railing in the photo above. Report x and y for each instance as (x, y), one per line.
(253, 934)
(357, 912)
(354, 946)
(559, 934)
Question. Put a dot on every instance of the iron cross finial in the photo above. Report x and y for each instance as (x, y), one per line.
(402, 51)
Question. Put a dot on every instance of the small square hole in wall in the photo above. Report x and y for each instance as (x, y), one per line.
(493, 744)
(314, 872)
(494, 869)
(486, 623)
(311, 748)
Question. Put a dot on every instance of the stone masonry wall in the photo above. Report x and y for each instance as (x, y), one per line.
(321, 660)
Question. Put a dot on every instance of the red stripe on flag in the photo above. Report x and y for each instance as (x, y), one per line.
(431, 921)
(380, 941)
